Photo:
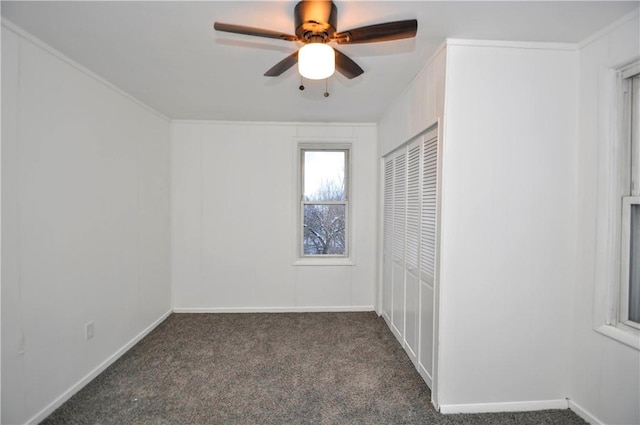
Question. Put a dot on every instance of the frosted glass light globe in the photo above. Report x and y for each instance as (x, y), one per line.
(316, 61)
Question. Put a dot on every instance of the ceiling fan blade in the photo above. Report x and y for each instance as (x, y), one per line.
(282, 66)
(257, 32)
(387, 31)
(346, 66)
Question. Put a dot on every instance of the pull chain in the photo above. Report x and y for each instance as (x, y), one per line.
(326, 89)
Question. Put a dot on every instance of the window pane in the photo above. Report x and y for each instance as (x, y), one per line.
(324, 175)
(634, 272)
(324, 230)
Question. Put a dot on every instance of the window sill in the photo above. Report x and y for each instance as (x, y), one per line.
(621, 333)
(324, 262)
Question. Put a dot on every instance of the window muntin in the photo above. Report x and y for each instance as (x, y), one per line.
(324, 205)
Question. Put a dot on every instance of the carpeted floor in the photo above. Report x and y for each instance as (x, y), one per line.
(298, 368)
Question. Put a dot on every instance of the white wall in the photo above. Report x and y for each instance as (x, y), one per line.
(605, 374)
(234, 222)
(507, 235)
(420, 105)
(85, 225)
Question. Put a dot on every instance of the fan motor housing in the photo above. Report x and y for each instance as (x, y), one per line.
(315, 19)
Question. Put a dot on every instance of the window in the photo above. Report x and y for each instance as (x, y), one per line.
(629, 311)
(324, 206)
(616, 314)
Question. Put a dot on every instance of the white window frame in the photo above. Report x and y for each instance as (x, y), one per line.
(630, 136)
(612, 265)
(303, 259)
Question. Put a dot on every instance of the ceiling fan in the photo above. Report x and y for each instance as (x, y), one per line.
(316, 26)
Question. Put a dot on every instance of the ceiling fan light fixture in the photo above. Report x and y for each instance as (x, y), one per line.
(315, 26)
(316, 61)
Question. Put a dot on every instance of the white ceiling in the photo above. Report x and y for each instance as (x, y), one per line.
(167, 54)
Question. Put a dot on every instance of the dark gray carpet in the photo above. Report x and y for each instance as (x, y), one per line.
(298, 368)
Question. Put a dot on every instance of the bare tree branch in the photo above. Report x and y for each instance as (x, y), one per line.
(324, 225)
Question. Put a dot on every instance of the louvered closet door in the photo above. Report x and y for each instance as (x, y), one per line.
(412, 251)
(428, 219)
(399, 217)
(387, 244)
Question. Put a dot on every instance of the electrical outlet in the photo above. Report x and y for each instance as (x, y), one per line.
(88, 331)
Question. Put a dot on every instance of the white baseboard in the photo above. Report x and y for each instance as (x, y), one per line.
(583, 413)
(309, 309)
(517, 406)
(39, 417)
